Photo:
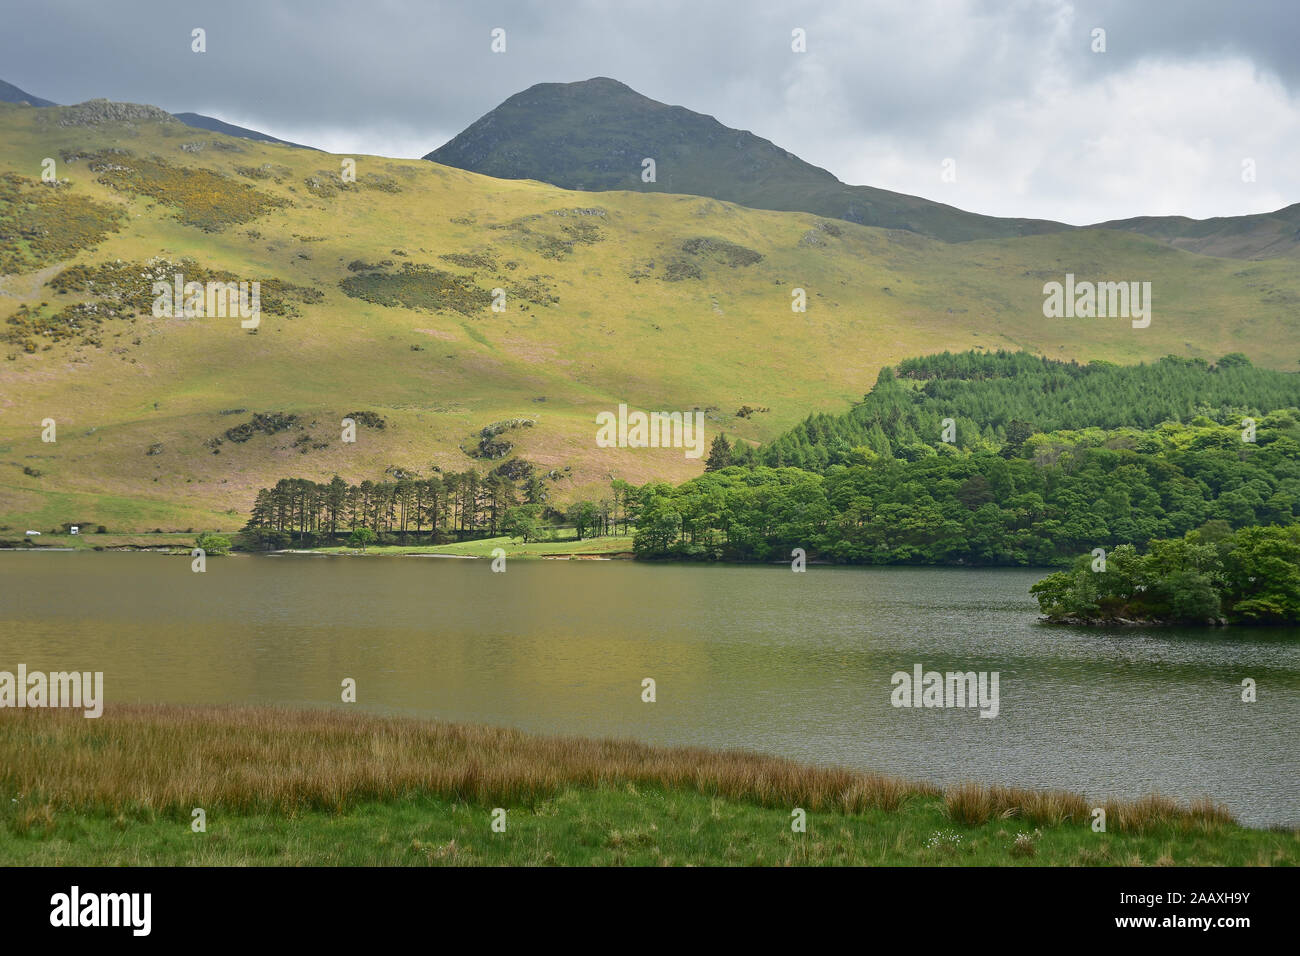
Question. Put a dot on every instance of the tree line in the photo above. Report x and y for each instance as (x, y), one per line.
(412, 509)
(1059, 494)
(998, 399)
(1038, 461)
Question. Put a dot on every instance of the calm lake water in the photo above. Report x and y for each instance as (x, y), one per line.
(755, 657)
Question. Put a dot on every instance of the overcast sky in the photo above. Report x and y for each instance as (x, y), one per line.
(1038, 124)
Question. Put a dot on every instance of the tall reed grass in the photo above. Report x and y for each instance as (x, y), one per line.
(169, 759)
(976, 803)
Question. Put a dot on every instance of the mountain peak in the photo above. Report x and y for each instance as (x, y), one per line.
(599, 93)
(595, 86)
(598, 82)
(597, 134)
(12, 94)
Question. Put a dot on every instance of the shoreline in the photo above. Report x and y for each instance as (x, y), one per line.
(419, 791)
(1127, 622)
(613, 554)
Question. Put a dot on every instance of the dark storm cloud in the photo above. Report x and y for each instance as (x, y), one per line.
(1264, 31)
(885, 90)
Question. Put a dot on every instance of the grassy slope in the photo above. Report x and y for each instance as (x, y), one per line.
(729, 339)
(1243, 237)
(329, 787)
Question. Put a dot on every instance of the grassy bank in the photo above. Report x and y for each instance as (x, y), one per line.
(182, 542)
(513, 547)
(333, 787)
(165, 540)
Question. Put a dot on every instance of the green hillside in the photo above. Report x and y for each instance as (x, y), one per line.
(376, 299)
(1260, 236)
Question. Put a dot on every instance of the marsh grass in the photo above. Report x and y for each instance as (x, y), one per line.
(975, 804)
(168, 759)
(148, 760)
(338, 787)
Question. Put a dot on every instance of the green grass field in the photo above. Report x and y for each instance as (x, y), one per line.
(629, 826)
(564, 546)
(513, 547)
(610, 297)
(342, 788)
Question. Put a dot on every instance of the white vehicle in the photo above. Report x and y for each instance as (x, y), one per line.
(33, 534)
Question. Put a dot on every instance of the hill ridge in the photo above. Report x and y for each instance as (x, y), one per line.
(733, 165)
(593, 134)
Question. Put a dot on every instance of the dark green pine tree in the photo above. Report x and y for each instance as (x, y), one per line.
(534, 491)
(719, 454)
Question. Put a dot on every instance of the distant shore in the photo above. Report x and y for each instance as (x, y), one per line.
(181, 543)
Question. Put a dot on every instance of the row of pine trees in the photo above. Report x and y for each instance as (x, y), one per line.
(997, 399)
(450, 506)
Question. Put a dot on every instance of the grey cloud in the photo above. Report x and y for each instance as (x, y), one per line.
(898, 82)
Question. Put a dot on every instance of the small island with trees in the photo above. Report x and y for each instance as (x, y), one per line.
(1210, 576)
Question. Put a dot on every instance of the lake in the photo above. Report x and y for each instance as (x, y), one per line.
(798, 665)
